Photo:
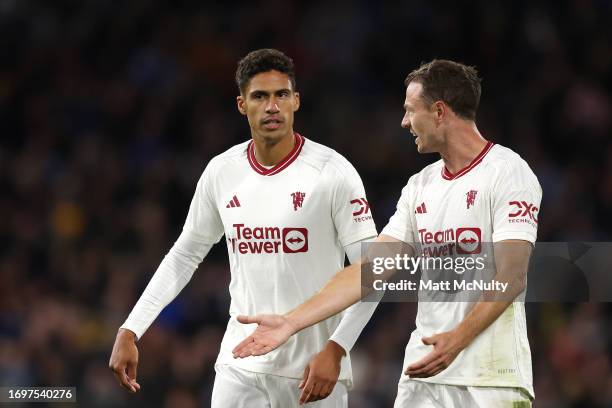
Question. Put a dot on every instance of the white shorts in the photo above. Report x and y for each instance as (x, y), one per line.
(420, 394)
(237, 388)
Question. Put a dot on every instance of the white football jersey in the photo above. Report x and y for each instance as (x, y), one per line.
(495, 198)
(285, 229)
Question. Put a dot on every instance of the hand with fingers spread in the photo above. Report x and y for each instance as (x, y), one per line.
(446, 346)
(124, 360)
(321, 373)
(271, 332)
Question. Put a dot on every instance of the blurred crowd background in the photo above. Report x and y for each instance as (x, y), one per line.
(110, 110)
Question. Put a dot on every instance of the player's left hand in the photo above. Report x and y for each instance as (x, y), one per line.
(446, 345)
(272, 331)
(321, 373)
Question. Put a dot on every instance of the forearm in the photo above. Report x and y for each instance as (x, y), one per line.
(336, 349)
(482, 315)
(341, 291)
(174, 272)
(353, 321)
(356, 316)
(345, 288)
(512, 260)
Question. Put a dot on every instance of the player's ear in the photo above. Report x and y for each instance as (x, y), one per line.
(240, 103)
(296, 105)
(440, 110)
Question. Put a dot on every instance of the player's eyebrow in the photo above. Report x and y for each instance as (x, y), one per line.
(287, 90)
(262, 92)
(258, 92)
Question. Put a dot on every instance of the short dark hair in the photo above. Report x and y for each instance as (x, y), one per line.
(455, 84)
(263, 60)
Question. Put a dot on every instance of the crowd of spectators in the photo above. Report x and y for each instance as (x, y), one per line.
(111, 110)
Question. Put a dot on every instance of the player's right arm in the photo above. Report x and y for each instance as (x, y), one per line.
(172, 275)
(203, 228)
(343, 290)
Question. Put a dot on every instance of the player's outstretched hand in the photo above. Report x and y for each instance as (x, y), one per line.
(271, 332)
(124, 360)
(446, 347)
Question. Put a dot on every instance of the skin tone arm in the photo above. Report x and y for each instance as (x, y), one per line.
(322, 371)
(172, 275)
(341, 291)
(511, 258)
(124, 360)
(321, 374)
(512, 261)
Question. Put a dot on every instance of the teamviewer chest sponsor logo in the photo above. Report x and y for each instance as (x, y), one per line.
(451, 241)
(268, 240)
(295, 240)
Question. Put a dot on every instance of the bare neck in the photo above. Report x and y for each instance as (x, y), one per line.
(270, 152)
(462, 146)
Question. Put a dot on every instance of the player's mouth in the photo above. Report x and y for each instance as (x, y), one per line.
(272, 123)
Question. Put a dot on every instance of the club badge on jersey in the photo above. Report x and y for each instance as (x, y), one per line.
(470, 198)
(298, 200)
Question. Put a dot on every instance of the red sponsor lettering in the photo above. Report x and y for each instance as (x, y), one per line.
(268, 240)
(467, 240)
(364, 206)
(439, 250)
(524, 209)
(438, 237)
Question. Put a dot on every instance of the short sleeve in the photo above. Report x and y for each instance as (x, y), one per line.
(350, 208)
(516, 197)
(203, 220)
(401, 225)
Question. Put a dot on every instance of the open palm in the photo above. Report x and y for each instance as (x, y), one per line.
(271, 332)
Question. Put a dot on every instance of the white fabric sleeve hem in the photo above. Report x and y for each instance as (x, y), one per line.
(501, 236)
(356, 238)
(174, 272)
(357, 316)
(396, 233)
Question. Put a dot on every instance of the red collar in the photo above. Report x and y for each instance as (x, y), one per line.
(447, 175)
(280, 166)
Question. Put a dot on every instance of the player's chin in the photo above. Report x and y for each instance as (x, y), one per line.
(421, 148)
(273, 135)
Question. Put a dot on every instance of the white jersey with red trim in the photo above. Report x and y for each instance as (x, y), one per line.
(286, 228)
(495, 198)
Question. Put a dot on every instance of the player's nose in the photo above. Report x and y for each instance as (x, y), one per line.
(406, 122)
(272, 106)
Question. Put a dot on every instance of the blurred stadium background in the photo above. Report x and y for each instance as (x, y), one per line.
(110, 110)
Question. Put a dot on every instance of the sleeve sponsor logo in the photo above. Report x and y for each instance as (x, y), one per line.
(523, 212)
(268, 240)
(361, 210)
